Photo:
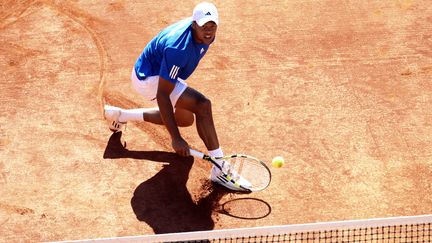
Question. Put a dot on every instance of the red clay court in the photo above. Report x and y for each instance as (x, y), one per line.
(341, 89)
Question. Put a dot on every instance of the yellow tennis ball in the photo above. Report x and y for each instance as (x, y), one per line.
(278, 161)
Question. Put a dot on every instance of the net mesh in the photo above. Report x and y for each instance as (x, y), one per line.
(402, 233)
(386, 230)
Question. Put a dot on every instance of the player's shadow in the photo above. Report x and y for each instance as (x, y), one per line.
(163, 201)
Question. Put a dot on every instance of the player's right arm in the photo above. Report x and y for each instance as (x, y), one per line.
(165, 88)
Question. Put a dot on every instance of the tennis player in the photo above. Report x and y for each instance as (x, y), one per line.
(159, 76)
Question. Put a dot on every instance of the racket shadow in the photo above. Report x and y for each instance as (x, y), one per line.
(163, 202)
(246, 208)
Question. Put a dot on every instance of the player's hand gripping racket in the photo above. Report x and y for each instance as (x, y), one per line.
(251, 169)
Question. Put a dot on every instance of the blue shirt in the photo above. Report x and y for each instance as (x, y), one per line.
(172, 54)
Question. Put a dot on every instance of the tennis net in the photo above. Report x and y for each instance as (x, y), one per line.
(395, 229)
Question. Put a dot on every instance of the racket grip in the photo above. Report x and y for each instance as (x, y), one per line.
(196, 153)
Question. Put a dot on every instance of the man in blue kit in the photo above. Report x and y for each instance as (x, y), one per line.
(159, 74)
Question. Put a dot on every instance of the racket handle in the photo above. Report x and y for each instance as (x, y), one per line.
(196, 153)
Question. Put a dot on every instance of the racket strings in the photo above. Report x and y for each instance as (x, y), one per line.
(228, 168)
(250, 169)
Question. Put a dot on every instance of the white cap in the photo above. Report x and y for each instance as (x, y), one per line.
(205, 12)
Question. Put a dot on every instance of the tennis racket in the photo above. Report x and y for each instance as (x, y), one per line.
(252, 169)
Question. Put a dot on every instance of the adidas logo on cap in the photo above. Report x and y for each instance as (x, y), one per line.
(207, 14)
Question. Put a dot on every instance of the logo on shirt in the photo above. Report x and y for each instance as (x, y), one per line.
(174, 72)
(207, 14)
(202, 50)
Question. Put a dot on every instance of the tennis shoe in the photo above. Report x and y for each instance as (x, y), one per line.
(230, 179)
(112, 114)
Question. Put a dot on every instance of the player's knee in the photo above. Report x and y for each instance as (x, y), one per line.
(184, 118)
(204, 107)
(185, 121)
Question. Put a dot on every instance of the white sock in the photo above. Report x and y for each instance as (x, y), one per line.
(132, 114)
(216, 153)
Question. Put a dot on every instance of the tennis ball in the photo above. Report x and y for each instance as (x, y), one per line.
(278, 161)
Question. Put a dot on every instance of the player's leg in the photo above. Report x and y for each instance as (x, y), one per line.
(119, 116)
(148, 89)
(195, 102)
(201, 106)
(184, 118)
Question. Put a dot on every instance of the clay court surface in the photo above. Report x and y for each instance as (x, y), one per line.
(341, 89)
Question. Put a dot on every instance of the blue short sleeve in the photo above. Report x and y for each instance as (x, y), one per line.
(171, 65)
